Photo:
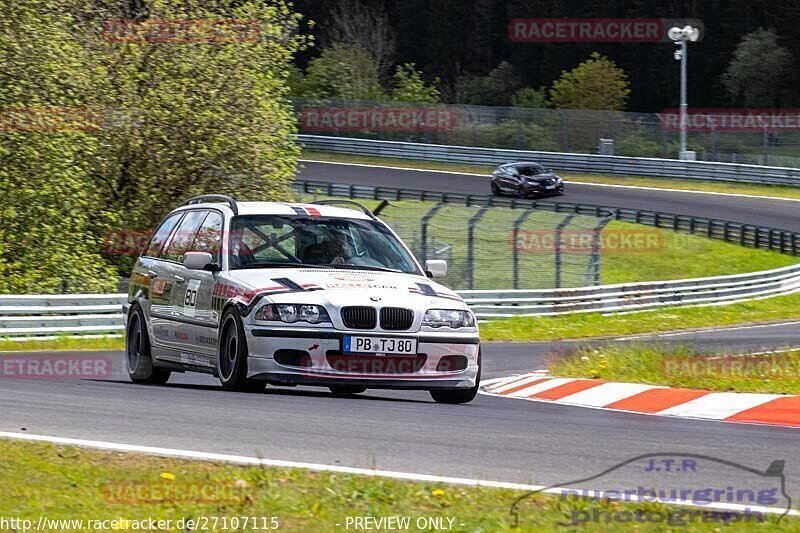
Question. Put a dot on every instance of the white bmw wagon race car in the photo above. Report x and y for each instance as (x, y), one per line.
(260, 293)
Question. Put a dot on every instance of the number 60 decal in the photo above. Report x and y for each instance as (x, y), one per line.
(191, 298)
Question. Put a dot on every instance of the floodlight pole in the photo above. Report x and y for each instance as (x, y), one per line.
(681, 37)
(684, 106)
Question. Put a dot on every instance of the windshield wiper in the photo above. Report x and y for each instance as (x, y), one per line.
(280, 264)
(364, 267)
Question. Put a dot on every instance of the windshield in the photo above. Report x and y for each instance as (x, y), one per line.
(531, 170)
(261, 241)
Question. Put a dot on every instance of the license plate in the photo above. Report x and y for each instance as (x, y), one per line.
(386, 345)
(549, 186)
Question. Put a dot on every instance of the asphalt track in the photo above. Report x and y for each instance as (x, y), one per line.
(781, 214)
(491, 438)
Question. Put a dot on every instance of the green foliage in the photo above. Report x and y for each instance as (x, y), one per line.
(173, 120)
(760, 73)
(638, 146)
(530, 97)
(597, 83)
(410, 87)
(345, 71)
(48, 197)
(494, 89)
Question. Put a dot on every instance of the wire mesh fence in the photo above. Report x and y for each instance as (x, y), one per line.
(575, 131)
(497, 248)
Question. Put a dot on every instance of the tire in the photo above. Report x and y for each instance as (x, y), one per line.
(138, 359)
(342, 390)
(495, 189)
(232, 356)
(521, 192)
(454, 396)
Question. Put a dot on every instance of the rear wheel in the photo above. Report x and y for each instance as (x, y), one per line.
(232, 356)
(346, 389)
(137, 352)
(458, 395)
(521, 192)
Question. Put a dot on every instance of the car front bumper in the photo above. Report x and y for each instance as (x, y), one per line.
(304, 356)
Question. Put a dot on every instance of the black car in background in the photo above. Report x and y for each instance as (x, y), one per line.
(525, 179)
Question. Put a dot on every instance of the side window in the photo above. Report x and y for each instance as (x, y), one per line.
(209, 236)
(161, 235)
(183, 236)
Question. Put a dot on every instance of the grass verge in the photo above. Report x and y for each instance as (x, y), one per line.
(595, 325)
(70, 483)
(63, 343)
(777, 191)
(682, 366)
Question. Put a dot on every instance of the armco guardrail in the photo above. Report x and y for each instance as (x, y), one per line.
(100, 313)
(602, 164)
(62, 314)
(630, 297)
(734, 232)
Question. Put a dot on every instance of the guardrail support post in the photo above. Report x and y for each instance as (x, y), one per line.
(471, 245)
(515, 244)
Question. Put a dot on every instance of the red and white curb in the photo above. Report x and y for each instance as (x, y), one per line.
(772, 409)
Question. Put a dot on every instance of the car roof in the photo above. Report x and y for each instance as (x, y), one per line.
(284, 208)
(523, 164)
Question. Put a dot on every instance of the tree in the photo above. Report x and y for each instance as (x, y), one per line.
(355, 22)
(597, 83)
(530, 97)
(344, 71)
(760, 73)
(168, 121)
(410, 87)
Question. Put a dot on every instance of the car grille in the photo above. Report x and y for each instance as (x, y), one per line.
(548, 182)
(359, 317)
(396, 318)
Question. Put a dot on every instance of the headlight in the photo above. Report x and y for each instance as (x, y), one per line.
(437, 318)
(313, 314)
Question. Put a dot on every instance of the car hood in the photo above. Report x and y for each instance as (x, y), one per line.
(343, 287)
(540, 177)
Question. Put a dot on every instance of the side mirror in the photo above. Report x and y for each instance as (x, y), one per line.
(436, 268)
(197, 260)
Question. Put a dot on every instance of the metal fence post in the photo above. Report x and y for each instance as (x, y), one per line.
(593, 268)
(423, 230)
(515, 244)
(471, 245)
(557, 242)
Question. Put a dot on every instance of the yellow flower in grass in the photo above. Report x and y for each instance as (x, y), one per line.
(438, 493)
(167, 475)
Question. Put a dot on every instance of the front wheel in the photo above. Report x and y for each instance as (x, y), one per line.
(458, 395)
(138, 359)
(232, 356)
(495, 189)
